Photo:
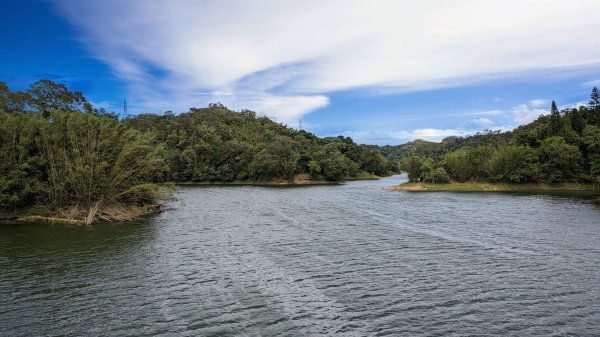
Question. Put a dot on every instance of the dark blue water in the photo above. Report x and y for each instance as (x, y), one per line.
(349, 260)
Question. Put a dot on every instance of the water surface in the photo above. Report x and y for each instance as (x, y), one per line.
(351, 260)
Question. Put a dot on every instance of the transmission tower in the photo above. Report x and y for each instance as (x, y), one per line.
(124, 109)
(300, 125)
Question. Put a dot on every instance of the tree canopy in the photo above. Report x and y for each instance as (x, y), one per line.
(560, 147)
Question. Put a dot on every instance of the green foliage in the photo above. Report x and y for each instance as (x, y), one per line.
(468, 164)
(22, 174)
(560, 161)
(73, 158)
(514, 164)
(415, 167)
(563, 146)
(594, 98)
(46, 96)
(217, 144)
(334, 167)
(591, 141)
(437, 176)
(577, 122)
(277, 160)
(372, 161)
(555, 123)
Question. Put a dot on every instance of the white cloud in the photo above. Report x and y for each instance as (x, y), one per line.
(288, 109)
(540, 103)
(285, 55)
(484, 123)
(573, 105)
(526, 113)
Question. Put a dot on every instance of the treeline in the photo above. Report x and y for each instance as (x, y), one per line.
(58, 150)
(217, 144)
(563, 146)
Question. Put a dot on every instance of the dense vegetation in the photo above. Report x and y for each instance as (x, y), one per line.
(563, 146)
(217, 144)
(57, 150)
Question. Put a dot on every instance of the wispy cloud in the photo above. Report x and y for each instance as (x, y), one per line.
(482, 113)
(591, 84)
(285, 56)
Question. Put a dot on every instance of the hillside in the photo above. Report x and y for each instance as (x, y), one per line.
(563, 146)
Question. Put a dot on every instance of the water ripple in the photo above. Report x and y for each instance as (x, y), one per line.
(351, 260)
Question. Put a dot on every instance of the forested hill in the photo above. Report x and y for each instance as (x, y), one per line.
(217, 144)
(57, 150)
(563, 146)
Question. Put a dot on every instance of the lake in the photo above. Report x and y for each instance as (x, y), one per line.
(349, 260)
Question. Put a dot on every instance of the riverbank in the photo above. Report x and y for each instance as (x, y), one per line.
(490, 187)
(79, 216)
(117, 213)
(303, 179)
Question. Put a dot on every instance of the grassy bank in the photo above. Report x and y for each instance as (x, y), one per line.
(490, 187)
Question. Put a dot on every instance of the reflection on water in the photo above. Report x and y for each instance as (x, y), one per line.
(351, 260)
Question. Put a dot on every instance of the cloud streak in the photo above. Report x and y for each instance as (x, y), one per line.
(284, 57)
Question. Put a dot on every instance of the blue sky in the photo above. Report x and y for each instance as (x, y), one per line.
(382, 71)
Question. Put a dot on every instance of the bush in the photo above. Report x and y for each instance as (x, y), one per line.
(437, 176)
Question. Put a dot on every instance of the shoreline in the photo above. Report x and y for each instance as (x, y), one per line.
(79, 217)
(256, 183)
(298, 180)
(43, 214)
(496, 187)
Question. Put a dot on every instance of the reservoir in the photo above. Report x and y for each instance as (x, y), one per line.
(347, 260)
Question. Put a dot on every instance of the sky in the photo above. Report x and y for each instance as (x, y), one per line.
(379, 71)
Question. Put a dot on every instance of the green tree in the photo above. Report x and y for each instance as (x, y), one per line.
(414, 167)
(555, 123)
(22, 175)
(594, 98)
(4, 97)
(468, 164)
(46, 96)
(277, 160)
(591, 140)
(560, 161)
(437, 176)
(577, 122)
(92, 160)
(514, 164)
(457, 165)
(372, 161)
